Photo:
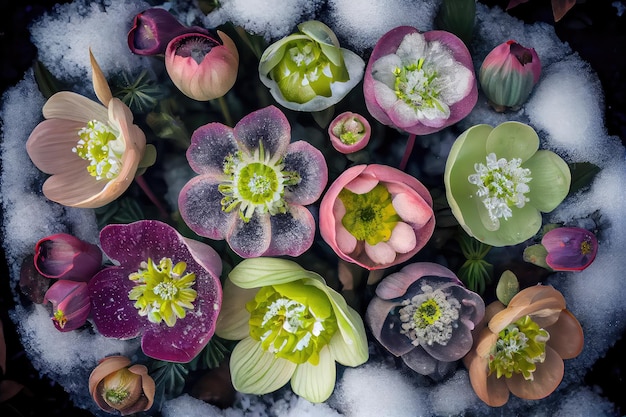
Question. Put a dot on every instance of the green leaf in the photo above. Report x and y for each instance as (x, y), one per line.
(458, 17)
(583, 174)
(47, 83)
(169, 377)
(476, 274)
(122, 211)
(536, 255)
(212, 355)
(507, 287)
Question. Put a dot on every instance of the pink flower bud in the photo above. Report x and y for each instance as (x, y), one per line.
(67, 257)
(349, 132)
(71, 304)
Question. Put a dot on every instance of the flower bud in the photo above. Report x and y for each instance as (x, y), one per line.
(67, 257)
(349, 132)
(202, 67)
(71, 304)
(508, 75)
(116, 386)
(570, 248)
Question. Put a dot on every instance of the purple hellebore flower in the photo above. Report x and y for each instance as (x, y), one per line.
(418, 82)
(425, 315)
(570, 248)
(63, 256)
(166, 288)
(253, 185)
(70, 304)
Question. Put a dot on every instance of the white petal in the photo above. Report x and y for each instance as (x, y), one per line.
(315, 383)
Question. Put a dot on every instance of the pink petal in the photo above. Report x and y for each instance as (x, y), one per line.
(250, 239)
(345, 240)
(50, 145)
(74, 107)
(380, 253)
(210, 145)
(546, 378)
(362, 184)
(396, 284)
(292, 232)
(412, 209)
(402, 238)
(309, 163)
(269, 125)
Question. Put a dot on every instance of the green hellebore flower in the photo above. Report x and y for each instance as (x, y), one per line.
(498, 182)
(293, 327)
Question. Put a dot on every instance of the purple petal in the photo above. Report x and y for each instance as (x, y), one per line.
(250, 239)
(459, 344)
(309, 162)
(268, 125)
(570, 248)
(210, 145)
(397, 284)
(292, 232)
(420, 361)
(200, 206)
(386, 327)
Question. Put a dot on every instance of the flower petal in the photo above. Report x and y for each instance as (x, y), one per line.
(100, 85)
(210, 145)
(251, 238)
(412, 208)
(511, 140)
(566, 336)
(74, 107)
(268, 125)
(551, 179)
(50, 145)
(315, 383)
(292, 232)
(385, 327)
(261, 272)
(402, 238)
(490, 389)
(381, 253)
(396, 284)
(232, 323)
(546, 378)
(71, 189)
(420, 361)
(310, 164)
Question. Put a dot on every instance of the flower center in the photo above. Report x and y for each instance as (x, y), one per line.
(501, 185)
(60, 318)
(292, 323)
(349, 131)
(429, 317)
(121, 388)
(369, 216)
(417, 86)
(519, 347)
(99, 145)
(163, 292)
(586, 246)
(255, 182)
(196, 47)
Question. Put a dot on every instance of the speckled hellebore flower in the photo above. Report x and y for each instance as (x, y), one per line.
(202, 66)
(508, 75)
(71, 304)
(63, 256)
(498, 182)
(92, 150)
(419, 83)
(293, 327)
(570, 248)
(253, 185)
(376, 216)
(349, 132)
(308, 70)
(166, 289)
(522, 346)
(117, 386)
(425, 315)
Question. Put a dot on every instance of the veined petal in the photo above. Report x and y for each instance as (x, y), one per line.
(72, 188)
(511, 140)
(261, 272)
(71, 106)
(50, 145)
(551, 179)
(315, 383)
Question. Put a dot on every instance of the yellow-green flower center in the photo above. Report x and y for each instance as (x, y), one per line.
(163, 292)
(255, 182)
(586, 246)
(417, 86)
(519, 347)
(349, 131)
(121, 388)
(60, 318)
(429, 317)
(369, 216)
(100, 146)
(293, 321)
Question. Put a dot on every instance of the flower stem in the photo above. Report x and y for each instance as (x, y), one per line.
(225, 111)
(407, 152)
(141, 181)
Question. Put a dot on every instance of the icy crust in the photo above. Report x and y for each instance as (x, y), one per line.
(564, 108)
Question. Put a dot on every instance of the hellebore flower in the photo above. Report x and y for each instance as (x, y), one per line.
(116, 386)
(508, 75)
(153, 29)
(92, 150)
(253, 185)
(308, 71)
(522, 347)
(425, 315)
(64, 256)
(349, 132)
(293, 327)
(166, 289)
(71, 304)
(202, 66)
(497, 182)
(419, 83)
(570, 248)
(376, 216)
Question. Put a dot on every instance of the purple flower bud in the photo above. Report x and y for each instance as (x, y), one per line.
(71, 304)
(570, 248)
(67, 257)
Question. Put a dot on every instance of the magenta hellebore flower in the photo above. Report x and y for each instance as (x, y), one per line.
(418, 82)
(508, 75)
(349, 132)
(166, 289)
(253, 185)
(71, 304)
(63, 256)
(425, 315)
(570, 248)
(376, 216)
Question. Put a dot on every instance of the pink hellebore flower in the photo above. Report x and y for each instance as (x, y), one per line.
(508, 75)
(253, 185)
(570, 248)
(201, 66)
(71, 304)
(376, 216)
(64, 256)
(92, 150)
(349, 132)
(419, 83)
(166, 289)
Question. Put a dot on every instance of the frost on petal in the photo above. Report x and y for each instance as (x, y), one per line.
(268, 125)
(250, 239)
(210, 144)
(292, 232)
(310, 165)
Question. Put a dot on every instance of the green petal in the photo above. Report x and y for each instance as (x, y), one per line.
(232, 322)
(293, 90)
(255, 371)
(315, 383)
(319, 32)
(311, 297)
(551, 179)
(511, 140)
(260, 272)
(524, 224)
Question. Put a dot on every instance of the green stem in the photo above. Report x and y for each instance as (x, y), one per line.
(407, 151)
